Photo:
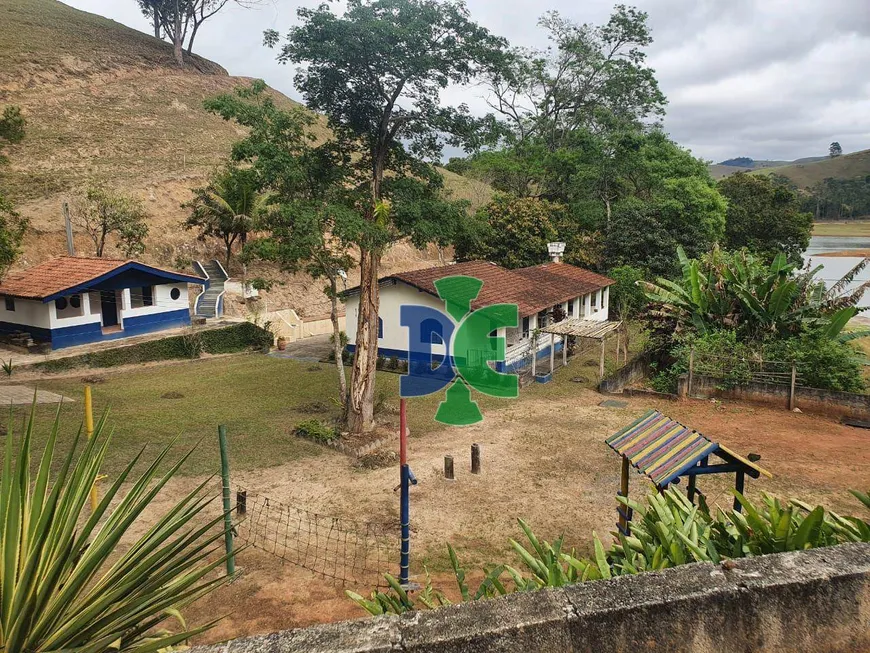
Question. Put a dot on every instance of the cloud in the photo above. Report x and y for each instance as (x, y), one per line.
(776, 79)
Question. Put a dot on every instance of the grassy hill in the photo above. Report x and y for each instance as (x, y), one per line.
(805, 175)
(107, 102)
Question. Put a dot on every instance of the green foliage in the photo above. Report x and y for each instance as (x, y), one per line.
(765, 217)
(737, 290)
(823, 362)
(104, 213)
(836, 198)
(8, 367)
(12, 230)
(67, 582)
(515, 234)
(228, 208)
(12, 128)
(316, 430)
(627, 298)
(666, 531)
(236, 338)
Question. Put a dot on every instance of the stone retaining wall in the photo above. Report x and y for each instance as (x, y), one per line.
(816, 601)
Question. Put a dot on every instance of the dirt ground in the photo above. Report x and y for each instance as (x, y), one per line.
(543, 460)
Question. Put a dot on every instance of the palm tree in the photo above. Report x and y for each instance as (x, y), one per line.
(228, 208)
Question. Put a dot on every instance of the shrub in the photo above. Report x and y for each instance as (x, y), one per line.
(316, 430)
(71, 584)
(822, 362)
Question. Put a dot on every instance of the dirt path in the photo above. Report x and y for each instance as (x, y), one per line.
(544, 461)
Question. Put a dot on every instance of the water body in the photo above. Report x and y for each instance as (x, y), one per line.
(836, 266)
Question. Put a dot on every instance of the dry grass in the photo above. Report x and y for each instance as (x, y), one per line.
(107, 102)
(854, 228)
(806, 175)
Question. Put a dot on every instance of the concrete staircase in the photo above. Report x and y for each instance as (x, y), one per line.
(210, 302)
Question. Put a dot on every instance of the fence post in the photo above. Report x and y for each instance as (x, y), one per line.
(225, 482)
(405, 499)
(691, 370)
(475, 458)
(448, 468)
(791, 390)
(89, 428)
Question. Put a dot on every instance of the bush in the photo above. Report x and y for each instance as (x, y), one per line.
(236, 338)
(316, 430)
(822, 362)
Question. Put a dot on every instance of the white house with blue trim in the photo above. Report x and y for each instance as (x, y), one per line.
(70, 301)
(542, 294)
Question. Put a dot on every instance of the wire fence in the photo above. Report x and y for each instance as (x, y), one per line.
(347, 551)
(738, 370)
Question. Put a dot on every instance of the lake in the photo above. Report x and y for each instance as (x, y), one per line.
(837, 266)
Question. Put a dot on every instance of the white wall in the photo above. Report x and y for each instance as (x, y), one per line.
(392, 299)
(27, 313)
(75, 317)
(163, 302)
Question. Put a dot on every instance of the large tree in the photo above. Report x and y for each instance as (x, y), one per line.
(765, 217)
(377, 72)
(312, 219)
(180, 20)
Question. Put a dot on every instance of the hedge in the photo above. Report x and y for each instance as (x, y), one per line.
(236, 338)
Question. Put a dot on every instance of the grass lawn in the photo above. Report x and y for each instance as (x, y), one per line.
(855, 228)
(259, 398)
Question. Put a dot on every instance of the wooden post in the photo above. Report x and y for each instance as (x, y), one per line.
(475, 459)
(601, 363)
(225, 483)
(89, 429)
(552, 353)
(738, 485)
(405, 497)
(791, 390)
(241, 502)
(623, 492)
(617, 348)
(690, 489)
(691, 370)
(564, 351)
(534, 346)
(448, 468)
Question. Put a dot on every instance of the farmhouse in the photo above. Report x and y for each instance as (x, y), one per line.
(70, 301)
(544, 293)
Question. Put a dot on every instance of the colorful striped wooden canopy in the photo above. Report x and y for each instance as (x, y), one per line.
(661, 448)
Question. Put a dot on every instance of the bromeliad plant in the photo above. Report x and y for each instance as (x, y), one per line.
(67, 581)
(667, 531)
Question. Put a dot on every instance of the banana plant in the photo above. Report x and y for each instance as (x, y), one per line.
(63, 584)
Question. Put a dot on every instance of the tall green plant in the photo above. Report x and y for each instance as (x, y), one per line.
(62, 585)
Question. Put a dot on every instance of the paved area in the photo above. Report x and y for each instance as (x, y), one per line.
(22, 394)
(313, 349)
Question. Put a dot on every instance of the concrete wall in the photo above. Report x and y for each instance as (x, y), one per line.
(634, 370)
(816, 601)
(814, 400)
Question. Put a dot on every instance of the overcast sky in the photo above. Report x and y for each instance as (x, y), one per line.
(775, 79)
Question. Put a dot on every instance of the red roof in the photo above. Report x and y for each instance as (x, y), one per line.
(532, 289)
(66, 272)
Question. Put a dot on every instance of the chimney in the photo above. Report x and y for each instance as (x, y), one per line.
(556, 250)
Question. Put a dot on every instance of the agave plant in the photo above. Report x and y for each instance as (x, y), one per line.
(68, 580)
(736, 290)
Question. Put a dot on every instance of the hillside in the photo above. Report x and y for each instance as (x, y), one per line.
(806, 175)
(107, 102)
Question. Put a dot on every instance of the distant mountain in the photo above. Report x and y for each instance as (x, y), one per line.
(747, 164)
(805, 173)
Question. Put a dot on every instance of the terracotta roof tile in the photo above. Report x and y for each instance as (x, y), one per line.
(531, 289)
(58, 274)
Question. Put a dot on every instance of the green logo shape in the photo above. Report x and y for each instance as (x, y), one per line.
(474, 346)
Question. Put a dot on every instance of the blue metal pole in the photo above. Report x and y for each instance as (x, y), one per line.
(405, 507)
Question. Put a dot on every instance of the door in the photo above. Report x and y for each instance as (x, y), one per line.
(109, 308)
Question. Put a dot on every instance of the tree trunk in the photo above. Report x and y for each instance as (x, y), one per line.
(192, 38)
(336, 336)
(178, 41)
(360, 405)
(156, 23)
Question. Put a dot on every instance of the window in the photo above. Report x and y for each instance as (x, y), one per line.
(571, 308)
(69, 306)
(61, 303)
(542, 319)
(75, 301)
(10, 303)
(175, 293)
(595, 300)
(148, 296)
(526, 329)
(144, 296)
(380, 328)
